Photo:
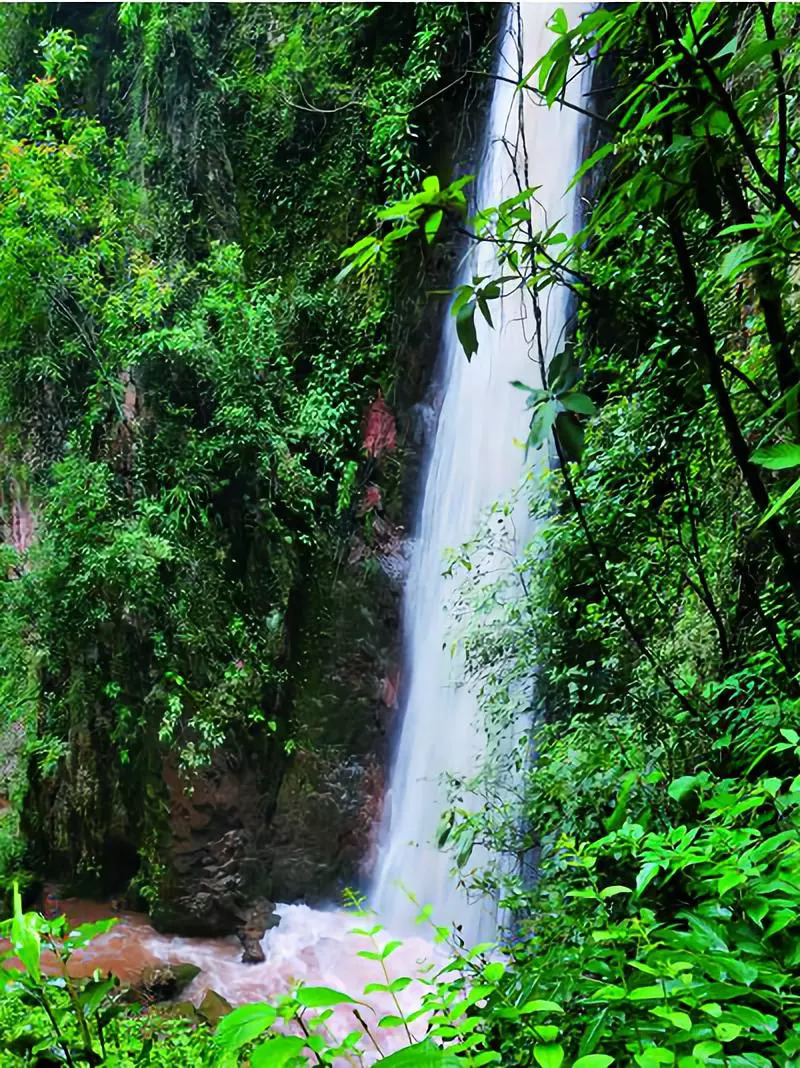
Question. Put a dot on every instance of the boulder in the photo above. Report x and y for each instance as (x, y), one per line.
(213, 1007)
(183, 1010)
(165, 981)
(256, 921)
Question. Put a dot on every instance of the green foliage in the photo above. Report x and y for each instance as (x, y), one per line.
(182, 384)
(637, 668)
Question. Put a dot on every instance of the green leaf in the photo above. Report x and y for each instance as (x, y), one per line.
(654, 1055)
(727, 1032)
(92, 994)
(729, 881)
(646, 993)
(561, 370)
(542, 422)
(424, 1054)
(591, 162)
(558, 21)
(321, 997)
(777, 457)
(466, 843)
(465, 329)
(484, 307)
(593, 1060)
(647, 873)
(757, 50)
(778, 505)
(679, 788)
(570, 435)
(278, 1052)
(703, 1050)
(494, 972)
(432, 224)
(578, 402)
(548, 1054)
(25, 938)
(540, 1006)
(781, 919)
(244, 1024)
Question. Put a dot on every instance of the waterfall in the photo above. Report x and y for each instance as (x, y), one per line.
(475, 460)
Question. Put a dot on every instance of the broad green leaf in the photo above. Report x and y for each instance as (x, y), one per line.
(278, 1052)
(653, 1056)
(578, 402)
(244, 1024)
(781, 919)
(727, 1032)
(465, 329)
(729, 881)
(542, 422)
(561, 370)
(593, 1060)
(25, 938)
(570, 435)
(321, 997)
(432, 224)
(646, 993)
(494, 972)
(647, 873)
(679, 788)
(540, 1006)
(548, 1054)
(703, 1050)
(424, 1054)
(777, 457)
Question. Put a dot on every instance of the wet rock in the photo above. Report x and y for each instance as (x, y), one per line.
(162, 982)
(214, 867)
(183, 1010)
(256, 921)
(213, 1007)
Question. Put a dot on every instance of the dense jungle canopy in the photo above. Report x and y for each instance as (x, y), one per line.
(225, 231)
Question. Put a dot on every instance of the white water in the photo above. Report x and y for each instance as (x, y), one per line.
(476, 460)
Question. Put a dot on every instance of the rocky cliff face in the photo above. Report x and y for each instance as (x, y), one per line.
(223, 446)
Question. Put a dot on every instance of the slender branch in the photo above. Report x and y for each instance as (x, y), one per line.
(606, 588)
(746, 142)
(733, 431)
(541, 97)
(769, 297)
(751, 385)
(777, 64)
(706, 597)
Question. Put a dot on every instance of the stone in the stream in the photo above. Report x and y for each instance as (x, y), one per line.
(255, 922)
(213, 1007)
(165, 981)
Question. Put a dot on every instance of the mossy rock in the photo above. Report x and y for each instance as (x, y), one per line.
(213, 1007)
(167, 980)
(179, 1010)
(184, 974)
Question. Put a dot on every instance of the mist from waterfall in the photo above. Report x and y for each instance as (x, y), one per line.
(476, 459)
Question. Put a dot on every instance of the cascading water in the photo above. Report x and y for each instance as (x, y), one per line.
(476, 460)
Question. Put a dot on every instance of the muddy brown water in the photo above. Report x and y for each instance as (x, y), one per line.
(311, 946)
